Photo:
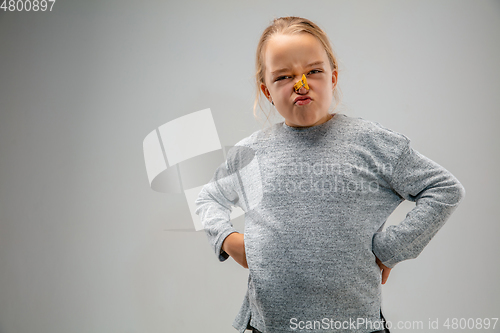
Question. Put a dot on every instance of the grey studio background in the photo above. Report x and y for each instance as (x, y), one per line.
(85, 243)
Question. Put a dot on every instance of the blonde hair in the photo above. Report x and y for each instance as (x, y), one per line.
(291, 25)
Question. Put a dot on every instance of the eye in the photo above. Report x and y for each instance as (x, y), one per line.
(314, 71)
(281, 78)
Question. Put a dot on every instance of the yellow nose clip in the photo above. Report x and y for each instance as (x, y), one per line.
(302, 83)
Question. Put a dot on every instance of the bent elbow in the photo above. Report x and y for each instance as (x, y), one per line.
(457, 193)
(461, 192)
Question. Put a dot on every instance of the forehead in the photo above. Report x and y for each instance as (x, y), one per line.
(292, 50)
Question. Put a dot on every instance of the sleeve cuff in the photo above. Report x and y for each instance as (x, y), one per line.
(222, 255)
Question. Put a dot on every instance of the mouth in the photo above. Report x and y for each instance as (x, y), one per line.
(302, 100)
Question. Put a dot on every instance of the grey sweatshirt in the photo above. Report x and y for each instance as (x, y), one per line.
(315, 202)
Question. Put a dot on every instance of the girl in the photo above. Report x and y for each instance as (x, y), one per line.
(316, 190)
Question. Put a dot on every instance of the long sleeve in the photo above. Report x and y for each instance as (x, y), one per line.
(436, 193)
(214, 207)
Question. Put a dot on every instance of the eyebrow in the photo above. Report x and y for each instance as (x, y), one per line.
(285, 69)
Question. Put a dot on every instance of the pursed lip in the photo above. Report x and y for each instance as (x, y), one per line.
(301, 98)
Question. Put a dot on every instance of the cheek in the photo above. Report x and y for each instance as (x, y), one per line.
(327, 87)
(326, 95)
(287, 86)
(283, 91)
(320, 84)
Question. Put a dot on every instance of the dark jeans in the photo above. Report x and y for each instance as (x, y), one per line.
(385, 330)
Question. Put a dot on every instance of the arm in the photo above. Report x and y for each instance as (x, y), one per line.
(213, 205)
(225, 240)
(436, 193)
(226, 189)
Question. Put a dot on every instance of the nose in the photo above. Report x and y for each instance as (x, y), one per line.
(301, 86)
(302, 90)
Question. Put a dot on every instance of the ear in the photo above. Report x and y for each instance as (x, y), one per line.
(265, 91)
(334, 78)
